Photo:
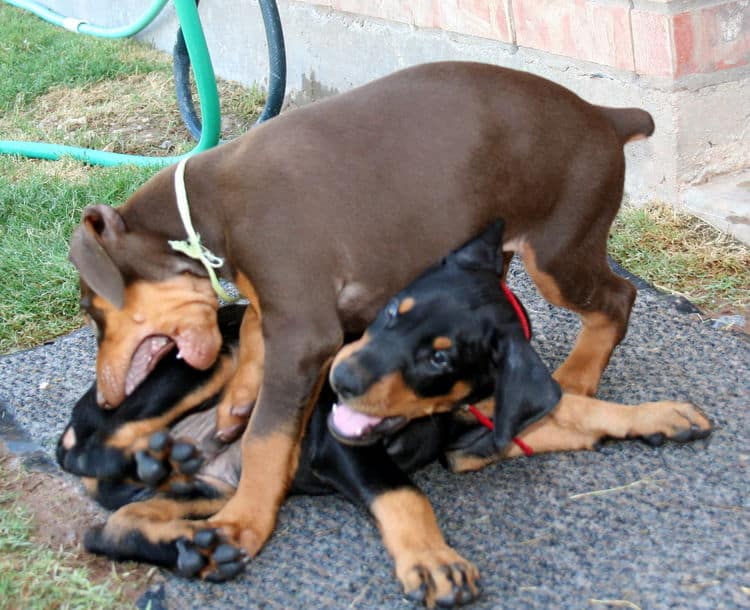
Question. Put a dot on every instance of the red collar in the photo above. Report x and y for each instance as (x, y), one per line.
(526, 327)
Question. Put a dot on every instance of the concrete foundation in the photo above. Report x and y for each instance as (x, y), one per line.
(702, 119)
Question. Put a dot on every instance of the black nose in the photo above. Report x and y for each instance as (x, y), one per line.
(346, 381)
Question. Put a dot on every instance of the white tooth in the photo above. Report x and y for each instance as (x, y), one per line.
(361, 431)
(179, 355)
(335, 406)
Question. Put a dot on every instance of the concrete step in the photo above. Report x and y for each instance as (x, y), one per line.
(723, 202)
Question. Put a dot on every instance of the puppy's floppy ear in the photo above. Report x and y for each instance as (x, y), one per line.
(101, 227)
(524, 389)
(483, 252)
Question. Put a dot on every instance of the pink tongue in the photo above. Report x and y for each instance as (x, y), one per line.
(142, 361)
(352, 423)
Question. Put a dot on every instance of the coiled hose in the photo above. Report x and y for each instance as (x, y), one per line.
(276, 71)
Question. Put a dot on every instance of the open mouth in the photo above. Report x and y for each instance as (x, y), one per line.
(354, 428)
(148, 354)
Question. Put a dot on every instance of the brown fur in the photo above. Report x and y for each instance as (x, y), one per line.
(319, 208)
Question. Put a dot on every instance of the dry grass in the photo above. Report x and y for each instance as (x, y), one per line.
(682, 254)
(135, 114)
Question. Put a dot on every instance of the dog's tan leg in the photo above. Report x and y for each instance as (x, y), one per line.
(581, 423)
(295, 367)
(602, 300)
(162, 519)
(429, 570)
(235, 407)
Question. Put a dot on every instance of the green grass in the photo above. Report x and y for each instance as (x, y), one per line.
(56, 86)
(38, 211)
(36, 577)
(36, 56)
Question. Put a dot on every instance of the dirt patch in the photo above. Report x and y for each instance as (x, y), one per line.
(60, 515)
(134, 114)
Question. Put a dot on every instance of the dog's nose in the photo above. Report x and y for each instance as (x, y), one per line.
(346, 382)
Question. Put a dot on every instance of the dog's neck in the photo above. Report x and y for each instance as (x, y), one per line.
(153, 208)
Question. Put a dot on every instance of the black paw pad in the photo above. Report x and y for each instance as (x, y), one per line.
(209, 556)
(150, 470)
(159, 440)
(190, 561)
(168, 464)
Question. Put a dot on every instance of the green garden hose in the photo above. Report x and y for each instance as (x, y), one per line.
(187, 14)
(80, 26)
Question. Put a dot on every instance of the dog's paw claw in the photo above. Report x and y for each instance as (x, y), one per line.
(440, 578)
(417, 595)
(655, 440)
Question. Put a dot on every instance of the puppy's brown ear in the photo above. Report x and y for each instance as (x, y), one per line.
(482, 252)
(100, 228)
(524, 389)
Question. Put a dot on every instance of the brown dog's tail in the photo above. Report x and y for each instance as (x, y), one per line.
(629, 123)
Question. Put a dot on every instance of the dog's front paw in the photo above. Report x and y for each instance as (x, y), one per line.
(168, 464)
(235, 408)
(209, 556)
(91, 457)
(657, 422)
(439, 577)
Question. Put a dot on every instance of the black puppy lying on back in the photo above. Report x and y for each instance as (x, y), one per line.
(155, 459)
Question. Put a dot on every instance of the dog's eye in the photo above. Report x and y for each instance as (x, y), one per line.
(391, 311)
(440, 359)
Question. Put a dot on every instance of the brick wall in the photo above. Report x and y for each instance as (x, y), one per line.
(665, 38)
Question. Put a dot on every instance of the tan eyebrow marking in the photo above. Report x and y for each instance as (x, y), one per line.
(406, 305)
(442, 343)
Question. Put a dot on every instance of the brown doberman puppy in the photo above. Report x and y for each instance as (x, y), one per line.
(324, 212)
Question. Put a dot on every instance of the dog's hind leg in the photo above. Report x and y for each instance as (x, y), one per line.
(571, 270)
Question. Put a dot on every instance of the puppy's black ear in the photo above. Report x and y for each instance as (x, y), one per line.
(483, 252)
(524, 389)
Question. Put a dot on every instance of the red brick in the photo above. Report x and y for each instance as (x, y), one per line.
(476, 18)
(711, 39)
(652, 45)
(580, 29)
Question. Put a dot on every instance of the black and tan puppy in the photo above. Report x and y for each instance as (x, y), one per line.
(462, 341)
(325, 212)
(433, 348)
